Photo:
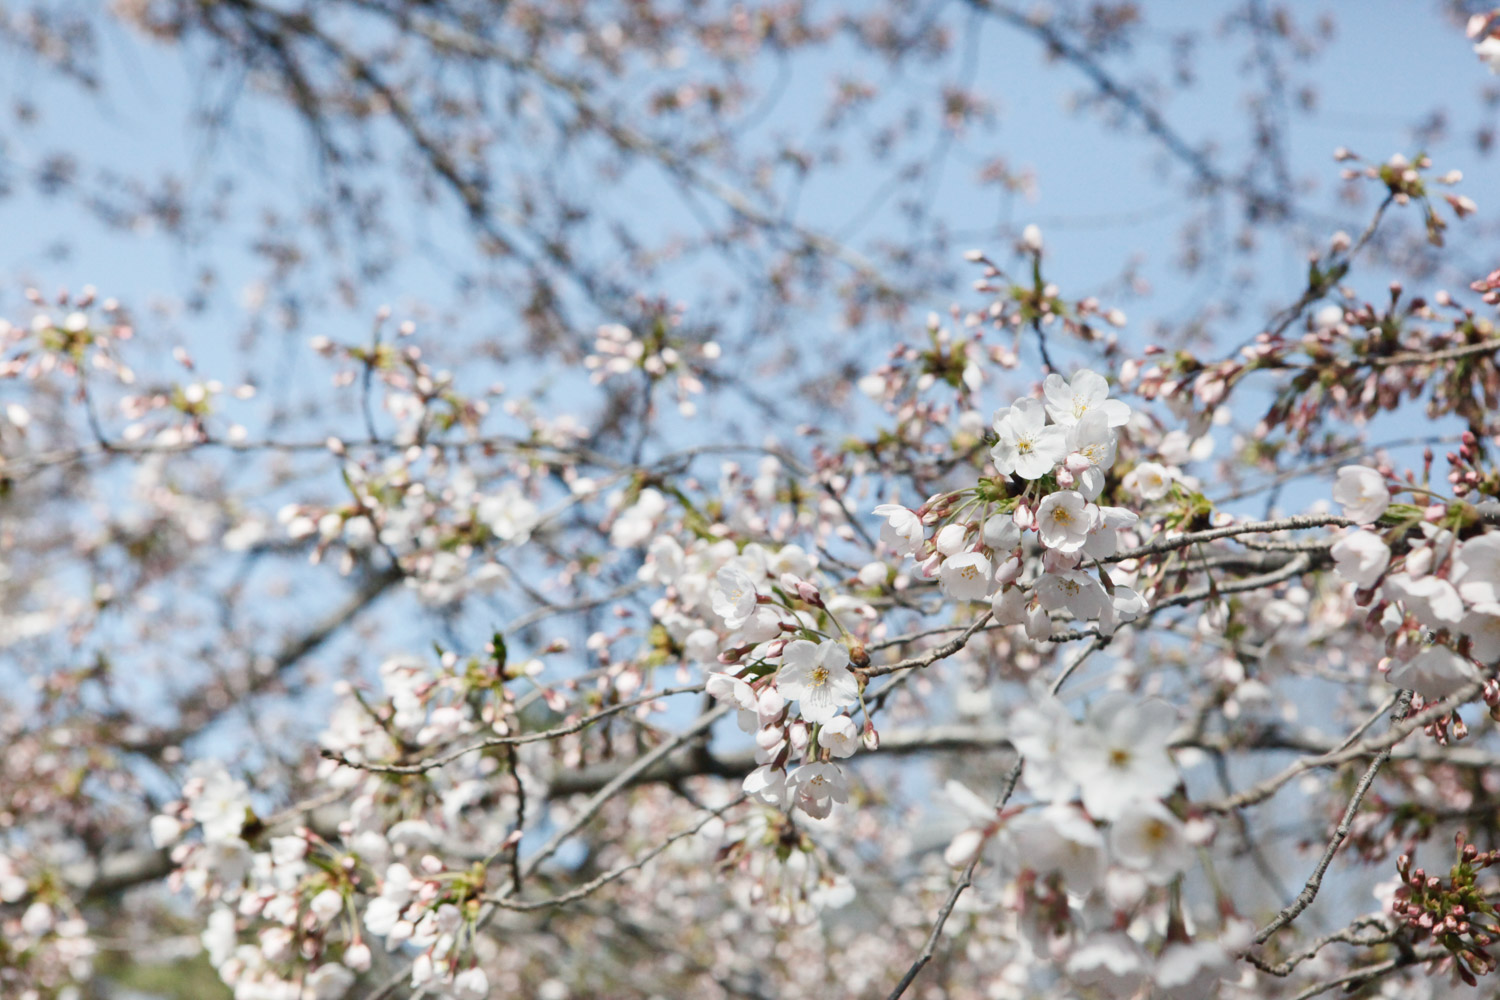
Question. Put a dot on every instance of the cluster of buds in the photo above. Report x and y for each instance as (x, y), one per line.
(1489, 285)
(1405, 181)
(1464, 472)
(618, 350)
(1491, 697)
(1445, 730)
(1454, 912)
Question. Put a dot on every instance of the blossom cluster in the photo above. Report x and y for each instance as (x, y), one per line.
(1436, 600)
(315, 899)
(1060, 450)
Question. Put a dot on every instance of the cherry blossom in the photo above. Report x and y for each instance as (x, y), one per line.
(1147, 837)
(1068, 401)
(1028, 447)
(1362, 492)
(966, 577)
(1148, 480)
(902, 531)
(1361, 557)
(817, 677)
(1434, 673)
(1121, 754)
(1064, 520)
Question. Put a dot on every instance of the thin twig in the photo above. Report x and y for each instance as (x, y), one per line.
(1310, 890)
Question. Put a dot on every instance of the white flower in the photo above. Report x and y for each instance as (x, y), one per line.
(1435, 602)
(1435, 673)
(1044, 733)
(840, 736)
(1104, 537)
(818, 677)
(1147, 837)
(1148, 480)
(165, 831)
(1027, 447)
(329, 982)
(1120, 754)
(219, 937)
(221, 806)
(763, 625)
(288, 851)
(1000, 533)
(471, 984)
(817, 786)
(276, 943)
(1038, 624)
(949, 541)
(1112, 964)
(1482, 626)
(1063, 520)
(1488, 50)
(733, 595)
(965, 577)
(902, 530)
(1060, 839)
(1362, 492)
(765, 784)
(1477, 569)
(382, 914)
(637, 522)
(326, 905)
(1079, 593)
(1361, 557)
(1093, 442)
(1125, 606)
(1190, 971)
(509, 515)
(1067, 402)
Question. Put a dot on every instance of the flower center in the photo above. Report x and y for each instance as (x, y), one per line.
(820, 676)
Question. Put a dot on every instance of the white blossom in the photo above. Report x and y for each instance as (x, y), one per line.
(1477, 569)
(734, 595)
(1482, 626)
(1027, 446)
(1148, 480)
(1110, 963)
(1092, 441)
(816, 787)
(966, 577)
(1059, 839)
(1078, 593)
(1488, 51)
(1147, 837)
(1361, 557)
(817, 676)
(1362, 492)
(1120, 754)
(1067, 402)
(840, 736)
(1064, 520)
(902, 530)
(1435, 673)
